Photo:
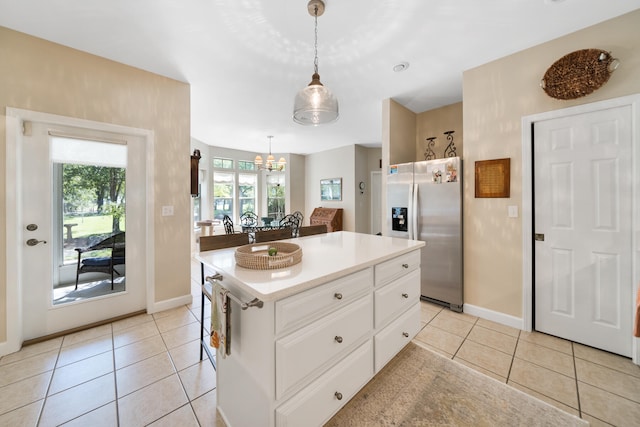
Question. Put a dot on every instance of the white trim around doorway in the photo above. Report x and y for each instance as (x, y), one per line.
(527, 196)
(15, 119)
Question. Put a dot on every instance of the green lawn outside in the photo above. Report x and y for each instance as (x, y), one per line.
(90, 225)
(87, 225)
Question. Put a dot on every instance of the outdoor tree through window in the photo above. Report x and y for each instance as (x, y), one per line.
(93, 199)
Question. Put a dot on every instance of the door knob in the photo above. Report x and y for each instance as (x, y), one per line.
(33, 242)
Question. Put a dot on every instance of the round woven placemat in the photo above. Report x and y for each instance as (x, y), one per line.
(577, 74)
(256, 256)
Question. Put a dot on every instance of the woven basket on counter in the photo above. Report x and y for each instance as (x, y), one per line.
(256, 256)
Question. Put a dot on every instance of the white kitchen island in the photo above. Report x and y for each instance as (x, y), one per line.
(328, 324)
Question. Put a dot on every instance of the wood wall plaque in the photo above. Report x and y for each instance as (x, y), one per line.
(493, 178)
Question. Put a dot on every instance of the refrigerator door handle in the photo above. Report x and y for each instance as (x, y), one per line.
(409, 218)
(414, 212)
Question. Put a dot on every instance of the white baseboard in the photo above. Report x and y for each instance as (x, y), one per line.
(494, 316)
(7, 348)
(170, 303)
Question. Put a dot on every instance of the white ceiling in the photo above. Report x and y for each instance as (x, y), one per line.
(246, 59)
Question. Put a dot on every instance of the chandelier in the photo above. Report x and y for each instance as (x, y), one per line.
(271, 163)
(315, 104)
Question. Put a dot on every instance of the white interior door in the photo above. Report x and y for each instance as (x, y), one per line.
(583, 208)
(39, 232)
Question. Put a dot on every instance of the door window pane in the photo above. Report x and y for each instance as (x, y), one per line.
(90, 217)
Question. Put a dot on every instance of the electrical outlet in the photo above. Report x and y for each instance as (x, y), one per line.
(167, 210)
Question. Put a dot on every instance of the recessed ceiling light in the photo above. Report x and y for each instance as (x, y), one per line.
(400, 67)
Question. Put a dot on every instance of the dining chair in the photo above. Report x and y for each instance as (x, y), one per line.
(271, 235)
(312, 229)
(299, 216)
(209, 243)
(248, 219)
(289, 221)
(228, 224)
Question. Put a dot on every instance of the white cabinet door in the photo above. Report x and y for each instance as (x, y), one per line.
(325, 396)
(394, 337)
(309, 349)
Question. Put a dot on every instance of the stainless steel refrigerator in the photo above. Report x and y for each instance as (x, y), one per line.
(424, 202)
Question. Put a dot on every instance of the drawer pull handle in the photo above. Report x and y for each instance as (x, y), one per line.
(405, 295)
(338, 395)
(337, 295)
(338, 339)
(405, 334)
(405, 265)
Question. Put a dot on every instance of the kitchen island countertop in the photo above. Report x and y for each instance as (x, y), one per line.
(324, 257)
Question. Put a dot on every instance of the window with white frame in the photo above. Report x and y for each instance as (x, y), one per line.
(275, 196)
(223, 194)
(247, 192)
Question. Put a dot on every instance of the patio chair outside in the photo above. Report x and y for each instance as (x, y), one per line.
(116, 244)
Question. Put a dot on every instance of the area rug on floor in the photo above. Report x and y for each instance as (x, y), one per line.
(422, 388)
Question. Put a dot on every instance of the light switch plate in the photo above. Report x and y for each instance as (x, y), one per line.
(167, 210)
(513, 211)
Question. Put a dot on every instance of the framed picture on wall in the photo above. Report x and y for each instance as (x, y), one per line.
(331, 189)
(493, 178)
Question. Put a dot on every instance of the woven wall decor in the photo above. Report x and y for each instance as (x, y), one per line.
(578, 73)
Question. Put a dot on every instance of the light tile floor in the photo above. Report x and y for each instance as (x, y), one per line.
(145, 370)
(600, 387)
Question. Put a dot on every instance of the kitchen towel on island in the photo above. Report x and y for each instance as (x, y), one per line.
(220, 320)
(636, 326)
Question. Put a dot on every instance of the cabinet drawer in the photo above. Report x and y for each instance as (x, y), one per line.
(395, 336)
(396, 267)
(315, 404)
(396, 297)
(305, 351)
(314, 303)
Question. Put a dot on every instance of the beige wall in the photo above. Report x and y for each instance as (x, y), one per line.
(434, 123)
(402, 134)
(336, 163)
(45, 77)
(496, 96)
(362, 200)
(297, 185)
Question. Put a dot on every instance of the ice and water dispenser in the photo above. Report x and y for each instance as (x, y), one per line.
(399, 219)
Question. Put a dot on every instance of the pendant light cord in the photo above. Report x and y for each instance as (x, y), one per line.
(315, 60)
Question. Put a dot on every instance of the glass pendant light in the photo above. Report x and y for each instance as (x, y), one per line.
(315, 104)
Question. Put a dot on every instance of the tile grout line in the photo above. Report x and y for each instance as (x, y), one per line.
(189, 401)
(115, 377)
(465, 338)
(513, 357)
(46, 394)
(575, 374)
